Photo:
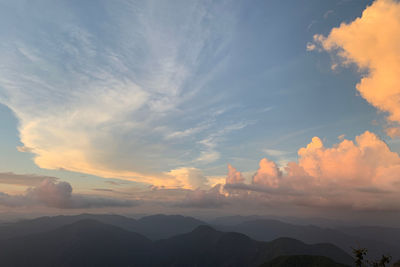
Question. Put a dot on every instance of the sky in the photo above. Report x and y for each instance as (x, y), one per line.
(287, 108)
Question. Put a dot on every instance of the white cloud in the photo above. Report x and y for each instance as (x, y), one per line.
(108, 98)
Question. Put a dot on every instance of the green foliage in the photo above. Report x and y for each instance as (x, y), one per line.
(360, 253)
(382, 262)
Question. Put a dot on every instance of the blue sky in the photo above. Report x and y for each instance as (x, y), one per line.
(146, 91)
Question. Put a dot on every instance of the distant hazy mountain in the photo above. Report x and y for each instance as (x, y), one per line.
(92, 243)
(266, 230)
(154, 227)
(164, 226)
(234, 220)
(302, 260)
(42, 224)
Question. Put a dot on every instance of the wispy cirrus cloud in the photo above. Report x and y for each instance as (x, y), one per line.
(111, 98)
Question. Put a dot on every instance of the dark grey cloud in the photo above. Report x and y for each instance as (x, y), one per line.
(103, 189)
(262, 189)
(115, 182)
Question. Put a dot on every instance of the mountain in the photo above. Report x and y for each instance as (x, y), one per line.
(302, 261)
(389, 235)
(163, 226)
(154, 227)
(266, 230)
(42, 224)
(92, 243)
(83, 243)
(234, 220)
(378, 240)
(208, 247)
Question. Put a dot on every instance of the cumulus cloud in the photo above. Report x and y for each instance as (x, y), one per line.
(200, 198)
(50, 193)
(233, 176)
(361, 174)
(268, 174)
(372, 43)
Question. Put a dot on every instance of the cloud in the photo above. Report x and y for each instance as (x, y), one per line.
(372, 42)
(234, 176)
(23, 179)
(200, 198)
(108, 98)
(209, 153)
(268, 174)
(50, 193)
(360, 175)
(310, 46)
(187, 178)
(328, 13)
(275, 152)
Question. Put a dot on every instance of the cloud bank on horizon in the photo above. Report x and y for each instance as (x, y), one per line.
(55, 194)
(360, 175)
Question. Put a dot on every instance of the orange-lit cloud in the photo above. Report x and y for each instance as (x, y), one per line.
(363, 174)
(372, 42)
(268, 174)
(233, 176)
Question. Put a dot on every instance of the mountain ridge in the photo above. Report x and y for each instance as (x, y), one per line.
(92, 243)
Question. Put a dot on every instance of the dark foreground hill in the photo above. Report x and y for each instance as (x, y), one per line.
(83, 243)
(386, 240)
(208, 247)
(302, 260)
(92, 243)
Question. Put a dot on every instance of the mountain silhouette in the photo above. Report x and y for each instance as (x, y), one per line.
(266, 230)
(92, 243)
(83, 243)
(154, 226)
